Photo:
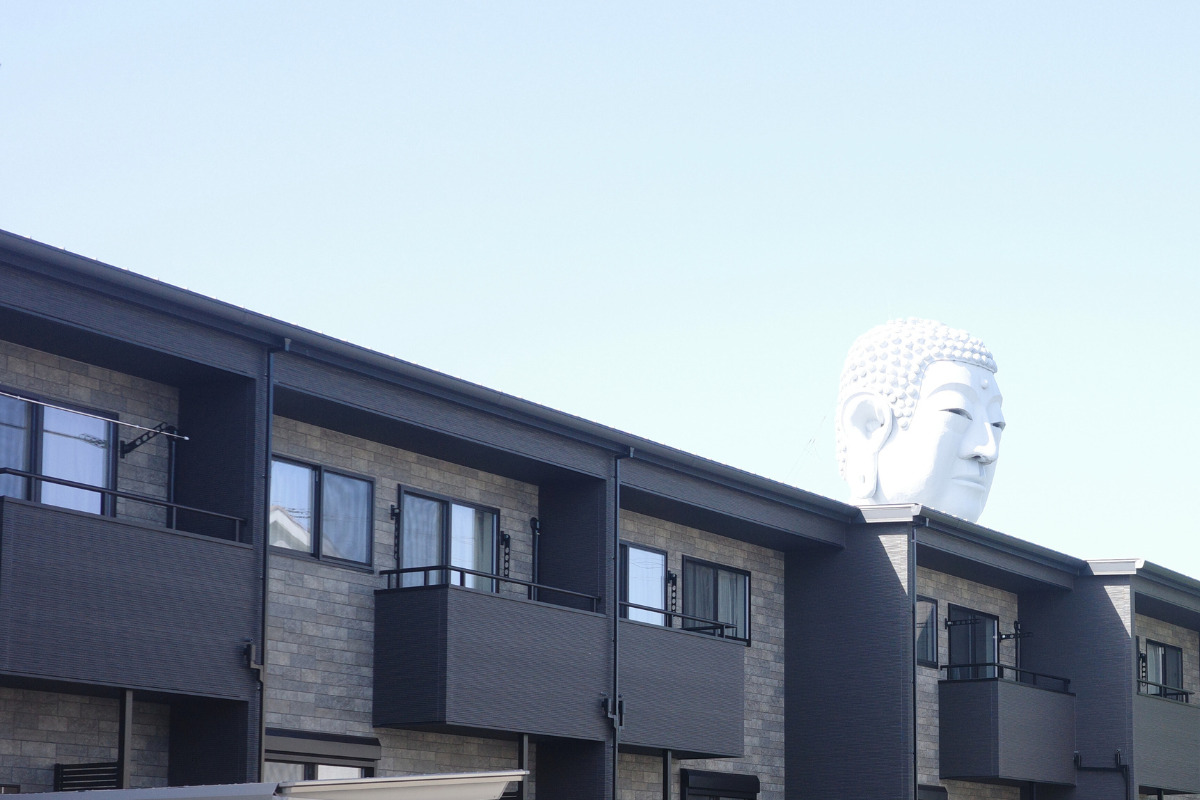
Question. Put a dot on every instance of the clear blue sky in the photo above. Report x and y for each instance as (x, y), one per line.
(671, 218)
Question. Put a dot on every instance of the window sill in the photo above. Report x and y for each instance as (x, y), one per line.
(366, 569)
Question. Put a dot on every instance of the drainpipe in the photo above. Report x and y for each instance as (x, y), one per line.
(912, 637)
(261, 666)
(615, 707)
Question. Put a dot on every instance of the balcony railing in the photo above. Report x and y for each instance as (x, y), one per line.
(1162, 690)
(993, 670)
(687, 622)
(448, 574)
(172, 509)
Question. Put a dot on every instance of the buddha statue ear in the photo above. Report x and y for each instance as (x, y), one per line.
(866, 425)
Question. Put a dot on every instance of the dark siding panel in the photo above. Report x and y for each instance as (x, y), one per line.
(574, 539)
(91, 599)
(967, 742)
(850, 668)
(215, 466)
(128, 322)
(683, 691)
(1001, 730)
(569, 770)
(410, 657)
(422, 409)
(208, 742)
(1082, 635)
(728, 502)
(1167, 734)
(450, 656)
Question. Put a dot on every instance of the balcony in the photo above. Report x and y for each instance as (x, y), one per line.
(453, 658)
(999, 723)
(98, 600)
(683, 690)
(1166, 736)
(448, 657)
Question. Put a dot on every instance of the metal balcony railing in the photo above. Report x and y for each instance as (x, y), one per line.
(1162, 690)
(448, 574)
(994, 670)
(687, 622)
(172, 509)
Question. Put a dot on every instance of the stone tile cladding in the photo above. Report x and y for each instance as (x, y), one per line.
(641, 777)
(321, 631)
(1184, 638)
(136, 400)
(947, 590)
(41, 729)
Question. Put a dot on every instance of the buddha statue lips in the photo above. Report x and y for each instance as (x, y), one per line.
(919, 418)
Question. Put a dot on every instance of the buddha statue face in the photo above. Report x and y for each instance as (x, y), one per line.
(919, 418)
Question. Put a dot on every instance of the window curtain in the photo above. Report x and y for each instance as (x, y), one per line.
(699, 598)
(645, 584)
(421, 539)
(74, 448)
(14, 444)
(473, 545)
(346, 518)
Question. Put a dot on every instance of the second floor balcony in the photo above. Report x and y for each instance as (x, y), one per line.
(120, 601)
(1001, 723)
(457, 649)
(1166, 731)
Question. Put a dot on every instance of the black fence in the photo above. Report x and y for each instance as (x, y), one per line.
(448, 574)
(994, 670)
(236, 524)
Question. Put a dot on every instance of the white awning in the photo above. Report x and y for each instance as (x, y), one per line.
(456, 786)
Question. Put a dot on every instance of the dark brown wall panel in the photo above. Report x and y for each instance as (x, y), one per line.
(574, 541)
(683, 691)
(426, 410)
(994, 729)
(1167, 734)
(149, 326)
(208, 742)
(849, 647)
(456, 657)
(92, 599)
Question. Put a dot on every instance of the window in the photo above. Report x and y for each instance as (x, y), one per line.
(326, 514)
(438, 531)
(643, 583)
(927, 632)
(304, 756)
(1164, 670)
(974, 640)
(57, 443)
(717, 593)
(281, 771)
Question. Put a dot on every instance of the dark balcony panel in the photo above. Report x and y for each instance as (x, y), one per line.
(1166, 742)
(453, 658)
(1003, 730)
(683, 691)
(96, 600)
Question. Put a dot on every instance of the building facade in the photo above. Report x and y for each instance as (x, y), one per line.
(232, 550)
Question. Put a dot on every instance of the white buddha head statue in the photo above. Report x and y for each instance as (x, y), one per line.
(918, 418)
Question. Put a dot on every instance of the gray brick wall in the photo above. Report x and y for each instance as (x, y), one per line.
(1184, 638)
(136, 400)
(949, 589)
(641, 777)
(320, 637)
(41, 729)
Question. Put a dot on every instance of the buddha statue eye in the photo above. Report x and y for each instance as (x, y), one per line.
(962, 412)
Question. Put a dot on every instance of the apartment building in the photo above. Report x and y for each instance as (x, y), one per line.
(234, 550)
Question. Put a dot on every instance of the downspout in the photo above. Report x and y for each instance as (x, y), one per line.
(261, 665)
(912, 637)
(616, 709)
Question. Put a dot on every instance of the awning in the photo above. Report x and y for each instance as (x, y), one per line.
(456, 786)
